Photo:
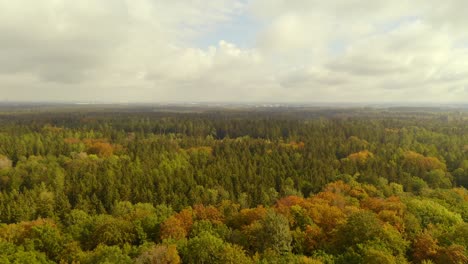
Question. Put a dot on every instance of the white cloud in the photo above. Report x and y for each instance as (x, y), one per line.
(392, 50)
(306, 50)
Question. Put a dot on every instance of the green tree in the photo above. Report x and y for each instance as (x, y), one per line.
(274, 233)
(106, 255)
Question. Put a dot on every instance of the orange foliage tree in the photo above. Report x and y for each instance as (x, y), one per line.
(361, 157)
(177, 226)
(415, 161)
(425, 247)
(99, 147)
(209, 213)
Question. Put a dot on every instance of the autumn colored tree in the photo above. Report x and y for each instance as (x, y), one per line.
(164, 254)
(425, 247)
(177, 226)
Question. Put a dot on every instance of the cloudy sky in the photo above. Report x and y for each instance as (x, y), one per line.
(237, 50)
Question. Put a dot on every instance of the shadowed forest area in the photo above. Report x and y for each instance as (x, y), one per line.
(233, 185)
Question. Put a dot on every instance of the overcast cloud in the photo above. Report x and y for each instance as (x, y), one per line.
(301, 50)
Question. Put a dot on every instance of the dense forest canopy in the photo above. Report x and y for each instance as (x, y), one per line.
(233, 185)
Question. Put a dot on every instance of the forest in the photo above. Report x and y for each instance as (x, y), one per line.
(233, 185)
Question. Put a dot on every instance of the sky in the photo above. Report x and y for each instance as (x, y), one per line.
(234, 51)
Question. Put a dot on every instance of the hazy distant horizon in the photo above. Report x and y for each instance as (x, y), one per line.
(245, 103)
